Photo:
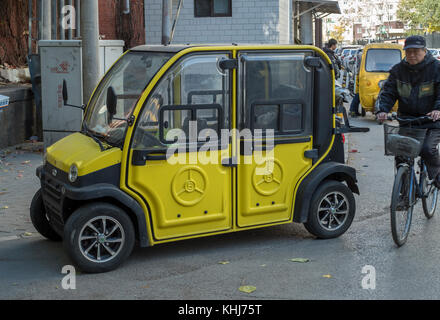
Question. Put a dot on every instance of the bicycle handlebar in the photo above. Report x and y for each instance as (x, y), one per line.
(408, 120)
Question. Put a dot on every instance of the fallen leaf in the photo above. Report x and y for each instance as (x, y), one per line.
(223, 262)
(263, 265)
(27, 234)
(328, 276)
(2, 193)
(26, 162)
(301, 260)
(353, 151)
(5, 207)
(247, 289)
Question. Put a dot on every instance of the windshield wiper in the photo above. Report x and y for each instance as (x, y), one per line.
(88, 133)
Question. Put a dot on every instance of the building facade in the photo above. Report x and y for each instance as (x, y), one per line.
(223, 21)
(368, 20)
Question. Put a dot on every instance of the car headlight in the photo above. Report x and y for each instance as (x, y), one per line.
(381, 83)
(73, 173)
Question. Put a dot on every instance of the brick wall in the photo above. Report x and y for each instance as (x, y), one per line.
(114, 25)
(252, 21)
(107, 19)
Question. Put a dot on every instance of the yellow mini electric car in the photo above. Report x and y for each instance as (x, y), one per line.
(181, 142)
(377, 60)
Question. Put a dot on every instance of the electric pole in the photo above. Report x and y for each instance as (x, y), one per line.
(90, 46)
(166, 21)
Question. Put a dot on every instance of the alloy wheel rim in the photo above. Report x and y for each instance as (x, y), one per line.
(333, 211)
(101, 239)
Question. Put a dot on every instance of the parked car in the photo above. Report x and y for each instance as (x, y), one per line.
(377, 60)
(118, 180)
(435, 53)
(349, 58)
(346, 51)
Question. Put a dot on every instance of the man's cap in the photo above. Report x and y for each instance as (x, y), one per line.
(414, 42)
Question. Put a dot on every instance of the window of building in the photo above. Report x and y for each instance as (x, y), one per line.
(212, 8)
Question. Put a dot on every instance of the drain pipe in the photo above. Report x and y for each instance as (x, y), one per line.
(126, 9)
(46, 18)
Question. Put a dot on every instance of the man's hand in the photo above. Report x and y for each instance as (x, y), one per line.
(435, 115)
(381, 116)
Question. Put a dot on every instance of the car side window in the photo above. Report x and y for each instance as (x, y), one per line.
(277, 93)
(193, 97)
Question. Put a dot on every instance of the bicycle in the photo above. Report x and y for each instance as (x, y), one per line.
(405, 143)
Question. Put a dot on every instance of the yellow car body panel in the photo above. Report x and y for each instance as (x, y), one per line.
(82, 151)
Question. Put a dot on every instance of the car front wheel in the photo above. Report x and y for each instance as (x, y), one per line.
(98, 237)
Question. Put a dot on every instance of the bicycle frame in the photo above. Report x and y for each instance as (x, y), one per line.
(414, 182)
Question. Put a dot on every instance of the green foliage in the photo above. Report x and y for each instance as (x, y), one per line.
(424, 13)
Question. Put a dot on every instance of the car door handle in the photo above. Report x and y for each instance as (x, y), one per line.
(140, 157)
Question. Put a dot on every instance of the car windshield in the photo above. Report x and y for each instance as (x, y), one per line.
(352, 52)
(345, 52)
(381, 60)
(434, 52)
(128, 78)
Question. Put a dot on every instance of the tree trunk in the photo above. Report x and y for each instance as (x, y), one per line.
(14, 32)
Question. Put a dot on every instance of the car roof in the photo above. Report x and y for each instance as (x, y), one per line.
(179, 47)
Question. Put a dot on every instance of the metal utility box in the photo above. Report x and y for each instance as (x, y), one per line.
(62, 60)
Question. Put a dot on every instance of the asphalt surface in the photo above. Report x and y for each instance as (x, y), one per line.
(215, 267)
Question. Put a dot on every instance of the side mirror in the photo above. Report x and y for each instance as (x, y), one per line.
(65, 97)
(112, 101)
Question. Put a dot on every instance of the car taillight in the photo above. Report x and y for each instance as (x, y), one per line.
(343, 138)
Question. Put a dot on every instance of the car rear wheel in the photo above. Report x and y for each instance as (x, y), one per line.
(99, 237)
(331, 211)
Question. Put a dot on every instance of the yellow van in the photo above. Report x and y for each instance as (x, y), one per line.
(377, 60)
(181, 142)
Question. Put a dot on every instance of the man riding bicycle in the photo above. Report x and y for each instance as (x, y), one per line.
(415, 84)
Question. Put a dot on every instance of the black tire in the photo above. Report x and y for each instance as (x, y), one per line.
(40, 220)
(400, 208)
(91, 222)
(334, 200)
(430, 195)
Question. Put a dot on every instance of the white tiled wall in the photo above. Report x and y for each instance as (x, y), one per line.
(252, 21)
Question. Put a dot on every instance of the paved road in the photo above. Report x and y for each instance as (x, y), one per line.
(30, 267)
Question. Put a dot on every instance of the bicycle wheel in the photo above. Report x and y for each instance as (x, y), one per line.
(401, 210)
(430, 194)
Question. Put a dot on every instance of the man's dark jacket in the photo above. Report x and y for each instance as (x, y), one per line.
(335, 60)
(416, 87)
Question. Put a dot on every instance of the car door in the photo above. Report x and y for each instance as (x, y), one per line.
(178, 174)
(275, 100)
